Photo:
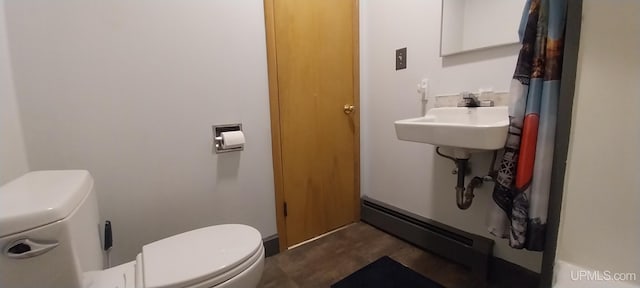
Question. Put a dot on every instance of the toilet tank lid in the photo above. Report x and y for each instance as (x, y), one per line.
(41, 197)
(197, 255)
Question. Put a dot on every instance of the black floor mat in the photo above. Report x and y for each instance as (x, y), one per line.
(386, 273)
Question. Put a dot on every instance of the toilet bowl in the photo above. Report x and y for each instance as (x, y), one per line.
(49, 237)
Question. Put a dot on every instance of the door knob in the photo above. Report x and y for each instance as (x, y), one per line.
(348, 108)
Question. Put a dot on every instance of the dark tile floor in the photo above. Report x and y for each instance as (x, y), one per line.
(325, 261)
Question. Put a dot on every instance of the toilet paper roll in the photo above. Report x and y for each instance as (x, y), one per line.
(232, 139)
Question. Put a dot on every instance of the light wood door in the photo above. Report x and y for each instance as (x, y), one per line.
(316, 69)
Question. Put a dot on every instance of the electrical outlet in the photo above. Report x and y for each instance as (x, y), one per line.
(401, 58)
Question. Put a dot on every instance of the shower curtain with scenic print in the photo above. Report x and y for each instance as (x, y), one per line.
(521, 192)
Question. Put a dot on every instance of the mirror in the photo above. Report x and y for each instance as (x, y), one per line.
(476, 24)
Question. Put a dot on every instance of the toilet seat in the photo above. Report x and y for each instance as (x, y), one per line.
(210, 282)
(218, 254)
(209, 255)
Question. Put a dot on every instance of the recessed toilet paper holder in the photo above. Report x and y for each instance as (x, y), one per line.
(217, 137)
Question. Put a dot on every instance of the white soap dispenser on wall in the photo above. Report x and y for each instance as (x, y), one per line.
(423, 89)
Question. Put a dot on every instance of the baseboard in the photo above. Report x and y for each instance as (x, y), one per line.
(456, 245)
(271, 245)
(459, 246)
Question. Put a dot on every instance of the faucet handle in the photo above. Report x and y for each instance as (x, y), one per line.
(469, 95)
(468, 100)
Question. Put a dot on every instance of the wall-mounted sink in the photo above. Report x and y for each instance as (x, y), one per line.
(462, 128)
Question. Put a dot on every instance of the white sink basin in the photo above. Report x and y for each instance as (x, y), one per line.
(462, 128)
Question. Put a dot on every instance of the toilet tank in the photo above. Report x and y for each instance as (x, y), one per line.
(49, 229)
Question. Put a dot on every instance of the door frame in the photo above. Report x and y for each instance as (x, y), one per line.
(274, 105)
(573, 28)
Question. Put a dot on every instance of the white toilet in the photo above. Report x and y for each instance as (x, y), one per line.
(50, 237)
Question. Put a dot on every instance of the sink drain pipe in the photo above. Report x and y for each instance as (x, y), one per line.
(464, 196)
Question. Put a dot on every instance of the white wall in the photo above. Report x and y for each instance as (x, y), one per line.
(410, 175)
(13, 157)
(600, 219)
(129, 90)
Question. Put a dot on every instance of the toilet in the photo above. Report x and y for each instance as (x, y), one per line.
(50, 236)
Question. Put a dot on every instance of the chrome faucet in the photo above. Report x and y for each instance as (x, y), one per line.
(471, 100)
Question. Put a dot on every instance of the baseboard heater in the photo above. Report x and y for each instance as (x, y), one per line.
(468, 249)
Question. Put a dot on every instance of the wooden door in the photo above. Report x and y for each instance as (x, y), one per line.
(313, 71)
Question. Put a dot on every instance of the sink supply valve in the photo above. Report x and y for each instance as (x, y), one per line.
(228, 138)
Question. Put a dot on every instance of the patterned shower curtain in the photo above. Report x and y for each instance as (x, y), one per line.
(521, 192)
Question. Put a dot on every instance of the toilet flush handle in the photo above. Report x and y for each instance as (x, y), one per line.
(27, 248)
